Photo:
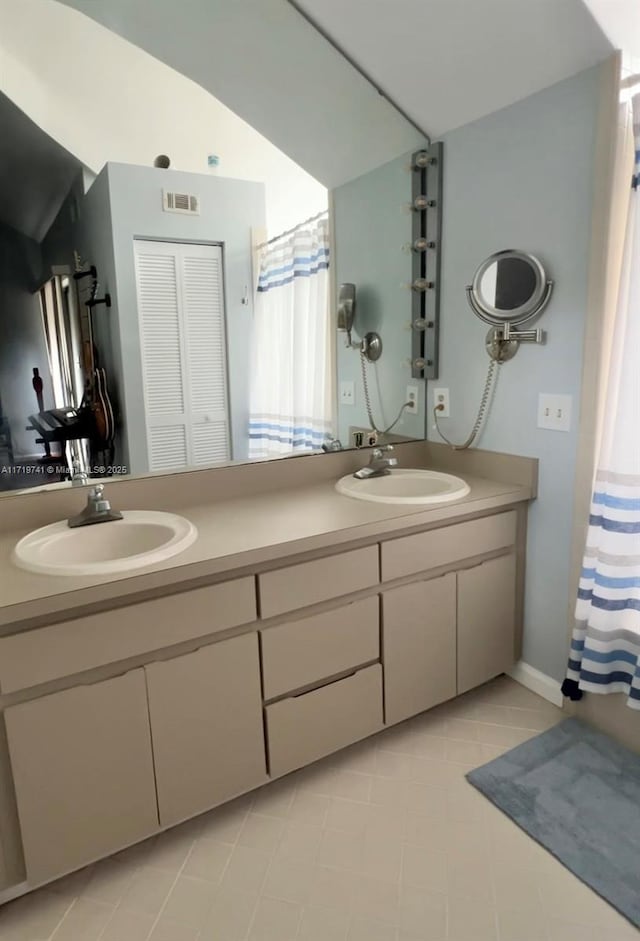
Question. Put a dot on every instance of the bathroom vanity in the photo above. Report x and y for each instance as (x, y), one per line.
(298, 623)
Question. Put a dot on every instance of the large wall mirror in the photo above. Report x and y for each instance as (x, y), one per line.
(184, 189)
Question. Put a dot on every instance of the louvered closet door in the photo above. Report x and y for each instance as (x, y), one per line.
(182, 337)
(205, 352)
(161, 344)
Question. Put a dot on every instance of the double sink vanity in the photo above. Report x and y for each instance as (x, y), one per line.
(293, 621)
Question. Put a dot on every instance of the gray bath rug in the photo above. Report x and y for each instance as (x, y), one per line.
(577, 792)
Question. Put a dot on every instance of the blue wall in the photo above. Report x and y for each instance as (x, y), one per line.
(523, 177)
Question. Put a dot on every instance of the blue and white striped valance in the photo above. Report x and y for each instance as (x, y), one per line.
(288, 433)
(300, 253)
(270, 435)
(283, 269)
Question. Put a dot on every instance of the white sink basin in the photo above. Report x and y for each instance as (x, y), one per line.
(405, 486)
(141, 537)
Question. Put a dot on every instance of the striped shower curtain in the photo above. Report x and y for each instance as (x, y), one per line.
(605, 648)
(291, 388)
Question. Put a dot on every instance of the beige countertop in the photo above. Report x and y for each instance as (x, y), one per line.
(235, 535)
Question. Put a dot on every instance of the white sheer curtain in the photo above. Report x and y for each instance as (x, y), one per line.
(291, 394)
(605, 647)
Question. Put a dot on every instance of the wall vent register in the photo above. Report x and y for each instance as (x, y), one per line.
(185, 203)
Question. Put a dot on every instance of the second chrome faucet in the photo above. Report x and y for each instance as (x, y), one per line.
(379, 463)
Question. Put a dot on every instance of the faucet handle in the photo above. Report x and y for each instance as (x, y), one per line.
(97, 500)
(378, 453)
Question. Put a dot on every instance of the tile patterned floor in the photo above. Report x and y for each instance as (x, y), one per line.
(383, 842)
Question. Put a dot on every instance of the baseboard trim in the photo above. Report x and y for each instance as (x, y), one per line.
(537, 682)
(13, 892)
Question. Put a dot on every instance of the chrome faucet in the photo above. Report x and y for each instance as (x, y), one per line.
(97, 510)
(332, 444)
(378, 465)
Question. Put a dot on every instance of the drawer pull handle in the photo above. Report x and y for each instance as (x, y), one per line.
(325, 685)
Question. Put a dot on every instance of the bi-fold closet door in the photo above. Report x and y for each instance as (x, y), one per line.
(180, 295)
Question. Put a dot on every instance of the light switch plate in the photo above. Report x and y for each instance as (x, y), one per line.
(554, 411)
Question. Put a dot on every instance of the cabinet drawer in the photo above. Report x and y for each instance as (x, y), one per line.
(424, 551)
(297, 586)
(49, 653)
(306, 727)
(301, 652)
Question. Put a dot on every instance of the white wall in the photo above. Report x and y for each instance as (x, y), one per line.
(22, 342)
(524, 178)
(105, 99)
(371, 226)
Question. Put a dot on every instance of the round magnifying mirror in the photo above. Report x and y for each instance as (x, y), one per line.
(509, 287)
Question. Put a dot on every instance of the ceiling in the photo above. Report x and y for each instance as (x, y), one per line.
(37, 173)
(113, 102)
(269, 66)
(450, 62)
(620, 20)
(445, 62)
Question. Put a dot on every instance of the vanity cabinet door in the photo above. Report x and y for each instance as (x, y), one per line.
(207, 728)
(83, 773)
(486, 621)
(419, 646)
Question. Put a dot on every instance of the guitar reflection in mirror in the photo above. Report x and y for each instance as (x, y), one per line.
(81, 425)
(96, 398)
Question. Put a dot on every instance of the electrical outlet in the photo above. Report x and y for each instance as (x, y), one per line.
(554, 412)
(441, 398)
(412, 396)
(347, 393)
